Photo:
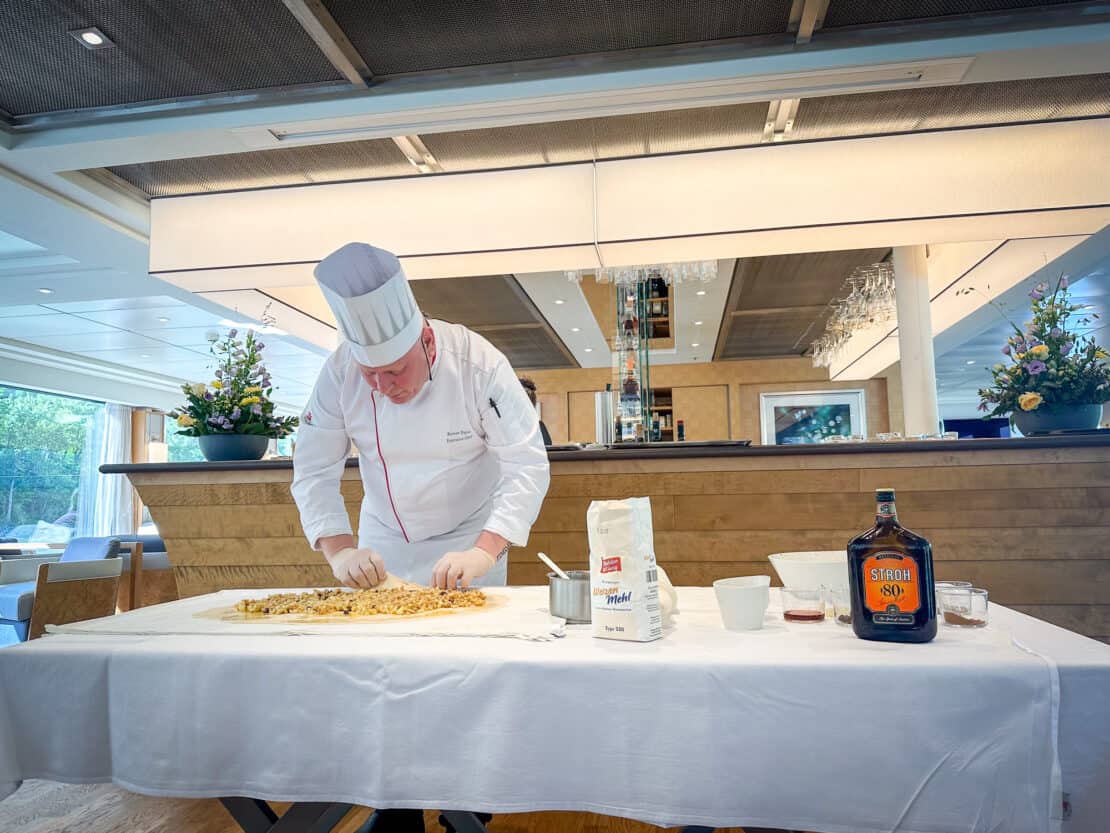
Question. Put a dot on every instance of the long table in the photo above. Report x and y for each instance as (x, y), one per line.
(795, 726)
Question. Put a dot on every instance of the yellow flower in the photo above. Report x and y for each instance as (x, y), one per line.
(197, 388)
(250, 400)
(1039, 352)
(1030, 401)
(185, 421)
(1101, 354)
(217, 384)
(254, 389)
(1019, 356)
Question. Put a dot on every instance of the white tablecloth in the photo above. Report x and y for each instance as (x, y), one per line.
(797, 726)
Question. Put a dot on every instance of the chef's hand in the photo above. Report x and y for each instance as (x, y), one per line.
(464, 567)
(356, 567)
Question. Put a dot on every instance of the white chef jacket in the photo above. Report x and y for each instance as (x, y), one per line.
(465, 454)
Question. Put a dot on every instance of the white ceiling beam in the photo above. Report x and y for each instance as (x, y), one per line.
(806, 16)
(317, 21)
(960, 51)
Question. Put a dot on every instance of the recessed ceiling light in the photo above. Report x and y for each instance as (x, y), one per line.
(46, 291)
(92, 38)
(559, 301)
(144, 355)
(576, 329)
(163, 320)
(698, 323)
(695, 344)
(589, 349)
(971, 361)
(700, 292)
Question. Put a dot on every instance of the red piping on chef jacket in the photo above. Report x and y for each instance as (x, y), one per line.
(385, 468)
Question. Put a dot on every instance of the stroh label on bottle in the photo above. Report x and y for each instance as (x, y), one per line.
(891, 587)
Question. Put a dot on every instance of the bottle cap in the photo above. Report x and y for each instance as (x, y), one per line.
(884, 495)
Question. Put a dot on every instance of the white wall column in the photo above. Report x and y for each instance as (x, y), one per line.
(915, 340)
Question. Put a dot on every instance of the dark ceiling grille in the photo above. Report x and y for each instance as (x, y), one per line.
(635, 135)
(164, 49)
(396, 36)
(999, 102)
(583, 139)
(778, 305)
(531, 348)
(476, 302)
(497, 308)
(861, 12)
(302, 165)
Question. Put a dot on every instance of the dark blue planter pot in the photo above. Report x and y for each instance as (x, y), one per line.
(217, 447)
(1043, 420)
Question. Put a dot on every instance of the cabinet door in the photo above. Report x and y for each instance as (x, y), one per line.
(704, 409)
(581, 427)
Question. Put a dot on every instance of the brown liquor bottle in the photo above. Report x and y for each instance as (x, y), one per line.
(890, 573)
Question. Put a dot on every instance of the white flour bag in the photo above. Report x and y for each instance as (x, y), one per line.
(624, 582)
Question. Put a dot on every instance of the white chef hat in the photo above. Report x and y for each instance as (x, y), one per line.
(373, 304)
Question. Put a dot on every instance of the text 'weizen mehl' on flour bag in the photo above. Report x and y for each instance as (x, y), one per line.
(624, 582)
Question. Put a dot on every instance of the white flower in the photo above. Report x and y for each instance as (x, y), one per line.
(197, 388)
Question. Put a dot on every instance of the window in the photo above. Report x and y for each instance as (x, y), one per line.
(43, 440)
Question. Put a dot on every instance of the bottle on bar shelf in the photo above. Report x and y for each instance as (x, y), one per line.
(890, 573)
(680, 431)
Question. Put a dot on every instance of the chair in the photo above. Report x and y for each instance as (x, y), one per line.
(74, 591)
(18, 582)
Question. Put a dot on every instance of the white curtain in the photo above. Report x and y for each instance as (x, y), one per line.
(106, 499)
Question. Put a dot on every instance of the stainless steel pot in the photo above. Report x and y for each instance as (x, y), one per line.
(569, 598)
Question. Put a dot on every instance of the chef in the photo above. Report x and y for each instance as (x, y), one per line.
(452, 463)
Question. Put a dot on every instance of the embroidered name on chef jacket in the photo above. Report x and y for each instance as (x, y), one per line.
(459, 436)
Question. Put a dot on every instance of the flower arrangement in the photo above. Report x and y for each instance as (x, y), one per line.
(1048, 366)
(237, 401)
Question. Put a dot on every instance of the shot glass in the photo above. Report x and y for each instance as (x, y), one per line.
(841, 599)
(803, 605)
(947, 585)
(964, 607)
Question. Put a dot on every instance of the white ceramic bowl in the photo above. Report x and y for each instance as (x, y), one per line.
(811, 570)
(743, 601)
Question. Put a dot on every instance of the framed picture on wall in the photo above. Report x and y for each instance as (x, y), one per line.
(811, 416)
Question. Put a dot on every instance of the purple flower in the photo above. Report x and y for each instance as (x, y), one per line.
(1036, 294)
(982, 406)
(208, 395)
(1035, 367)
(1006, 349)
(260, 345)
(232, 333)
(213, 420)
(235, 414)
(1068, 345)
(1056, 332)
(256, 409)
(1064, 282)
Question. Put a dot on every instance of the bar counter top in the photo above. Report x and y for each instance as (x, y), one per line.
(679, 451)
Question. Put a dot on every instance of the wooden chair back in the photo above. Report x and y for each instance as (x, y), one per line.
(74, 592)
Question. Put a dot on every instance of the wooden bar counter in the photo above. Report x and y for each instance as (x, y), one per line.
(1029, 519)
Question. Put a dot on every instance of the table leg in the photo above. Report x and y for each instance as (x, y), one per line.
(464, 822)
(256, 816)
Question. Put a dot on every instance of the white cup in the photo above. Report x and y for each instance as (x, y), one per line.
(743, 601)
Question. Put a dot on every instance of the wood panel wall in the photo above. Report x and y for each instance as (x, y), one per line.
(570, 392)
(1030, 525)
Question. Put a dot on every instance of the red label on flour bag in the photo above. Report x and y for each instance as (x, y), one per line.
(611, 565)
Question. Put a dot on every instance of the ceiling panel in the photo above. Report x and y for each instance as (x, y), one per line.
(150, 358)
(103, 304)
(1002, 102)
(154, 319)
(113, 340)
(530, 348)
(164, 49)
(778, 305)
(395, 36)
(860, 12)
(22, 311)
(475, 302)
(48, 325)
(370, 159)
(637, 134)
